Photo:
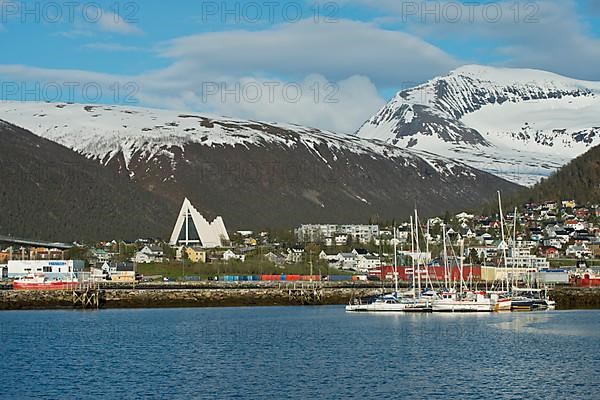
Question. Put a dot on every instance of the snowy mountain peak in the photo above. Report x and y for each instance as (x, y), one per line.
(521, 76)
(487, 116)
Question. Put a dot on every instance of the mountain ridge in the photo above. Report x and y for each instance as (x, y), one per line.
(255, 174)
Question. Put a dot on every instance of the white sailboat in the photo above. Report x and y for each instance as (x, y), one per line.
(386, 303)
(421, 300)
(463, 300)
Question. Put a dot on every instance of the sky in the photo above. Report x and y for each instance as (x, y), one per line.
(324, 64)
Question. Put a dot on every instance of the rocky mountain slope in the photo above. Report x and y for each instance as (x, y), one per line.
(49, 192)
(515, 123)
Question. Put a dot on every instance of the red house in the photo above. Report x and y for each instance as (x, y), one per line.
(550, 252)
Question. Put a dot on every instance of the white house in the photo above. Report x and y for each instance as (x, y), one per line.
(332, 258)
(366, 262)
(294, 255)
(149, 254)
(230, 255)
(463, 216)
(578, 250)
(100, 255)
(348, 261)
(553, 242)
(340, 239)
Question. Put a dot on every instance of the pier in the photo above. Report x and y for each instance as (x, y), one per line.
(86, 296)
(305, 293)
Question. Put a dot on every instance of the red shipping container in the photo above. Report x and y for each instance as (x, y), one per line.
(270, 277)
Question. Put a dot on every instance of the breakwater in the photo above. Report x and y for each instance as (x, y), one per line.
(575, 297)
(236, 295)
(189, 297)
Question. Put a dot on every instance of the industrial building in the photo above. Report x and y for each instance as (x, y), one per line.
(50, 268)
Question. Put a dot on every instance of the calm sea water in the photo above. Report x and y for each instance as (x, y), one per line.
(298, 353)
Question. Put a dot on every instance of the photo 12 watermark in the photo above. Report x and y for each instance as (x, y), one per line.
(469, 12)
(123, 93)
(269, 92)
(52, 12)
(253, 12)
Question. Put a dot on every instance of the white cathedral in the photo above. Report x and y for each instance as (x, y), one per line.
(192, 229)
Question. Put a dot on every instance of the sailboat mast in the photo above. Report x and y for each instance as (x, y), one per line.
(462, 253)
(412, 253)
(395, 262)
(445, 257)
(503, 239)
(428, 277)
(514, 238)
(418, 249)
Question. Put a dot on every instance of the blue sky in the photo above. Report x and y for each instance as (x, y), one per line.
(346, 57)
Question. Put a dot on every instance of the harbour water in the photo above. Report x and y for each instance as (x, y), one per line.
(298, 353)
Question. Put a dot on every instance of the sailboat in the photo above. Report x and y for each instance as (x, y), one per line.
(393, 302)
(422, 300)
(463, 300)
(503, 299)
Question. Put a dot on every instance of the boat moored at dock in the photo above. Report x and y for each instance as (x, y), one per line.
(42, 282)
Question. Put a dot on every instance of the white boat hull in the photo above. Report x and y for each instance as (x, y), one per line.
(462, 306)
(376, 307)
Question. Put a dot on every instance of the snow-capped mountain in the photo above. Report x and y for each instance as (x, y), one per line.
(516, 123)
(256, 173)
(115, 133)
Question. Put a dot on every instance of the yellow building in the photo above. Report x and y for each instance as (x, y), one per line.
(195, 255)
(123, 276)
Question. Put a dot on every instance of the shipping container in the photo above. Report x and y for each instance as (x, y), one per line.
(337, 278)
(270, 277)
(310, 278)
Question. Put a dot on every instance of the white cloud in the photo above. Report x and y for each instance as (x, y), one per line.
(111, 22)
(339, 106)
(335, 50)
(345, 61)
(548, 35)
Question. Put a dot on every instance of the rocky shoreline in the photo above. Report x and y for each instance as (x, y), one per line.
(232, 296)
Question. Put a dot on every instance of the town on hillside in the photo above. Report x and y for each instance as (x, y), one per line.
(550, 242)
